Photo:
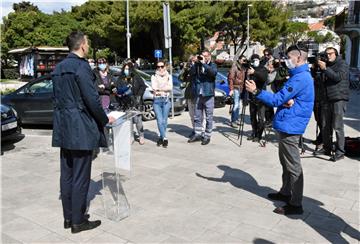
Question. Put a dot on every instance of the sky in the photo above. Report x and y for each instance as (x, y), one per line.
(46, 6)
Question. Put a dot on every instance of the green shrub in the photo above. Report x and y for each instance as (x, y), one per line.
(7, 91)
(11, 74)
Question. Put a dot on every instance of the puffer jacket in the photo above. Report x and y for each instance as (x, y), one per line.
(300, 88)
(337, 80)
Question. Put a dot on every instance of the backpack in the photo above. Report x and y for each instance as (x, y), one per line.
(352, 146)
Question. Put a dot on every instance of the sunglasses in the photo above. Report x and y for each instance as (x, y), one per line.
(160, 66)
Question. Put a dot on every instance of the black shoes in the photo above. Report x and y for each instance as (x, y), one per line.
(205, 141)
(279, 197)
(159, 142)
(289, 210)
(322, 151)
(165, 143)
(335, 158)
(86, 225)
(194, 139)
(256, 139)
(67, 222)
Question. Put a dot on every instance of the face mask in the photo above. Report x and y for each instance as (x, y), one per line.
(256, 63)
(126, 72)
(102, 67)
(92, 65)
(289, 64)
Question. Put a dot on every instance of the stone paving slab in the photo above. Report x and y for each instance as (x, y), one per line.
(186, 193)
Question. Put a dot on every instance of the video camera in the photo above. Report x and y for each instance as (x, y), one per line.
(318, 56)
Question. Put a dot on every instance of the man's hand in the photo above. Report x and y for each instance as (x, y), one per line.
(250, 85)
(250, 71)
(321, 64)
(111, 119)
(114, 90)
(231, 93)
(289, 103)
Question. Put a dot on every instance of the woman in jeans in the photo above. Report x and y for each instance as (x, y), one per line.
(162, 85)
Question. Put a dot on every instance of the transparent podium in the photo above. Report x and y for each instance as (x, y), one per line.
(115, 160)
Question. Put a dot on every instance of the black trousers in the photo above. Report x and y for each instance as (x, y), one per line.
(257, 117)
(333, 120)
(318, 118)
(74, 183)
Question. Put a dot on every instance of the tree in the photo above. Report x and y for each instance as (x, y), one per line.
(296, 31)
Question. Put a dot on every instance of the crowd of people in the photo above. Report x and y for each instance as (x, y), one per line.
(83, 96)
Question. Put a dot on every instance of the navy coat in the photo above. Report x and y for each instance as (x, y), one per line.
(78, 117)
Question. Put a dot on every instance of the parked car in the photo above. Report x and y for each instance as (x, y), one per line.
(10, 126)
(33, 101)
(34, 104)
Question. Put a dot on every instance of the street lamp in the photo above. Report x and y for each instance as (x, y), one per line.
(248, 26)
(128, 34)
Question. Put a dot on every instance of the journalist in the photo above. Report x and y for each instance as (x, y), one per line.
(294, 104)
(336, 85)
(203, 72)
(259, 75)
(78, 125)
(236, 79)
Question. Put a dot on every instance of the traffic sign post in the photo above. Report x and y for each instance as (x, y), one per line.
(158, 54)
(168, 44)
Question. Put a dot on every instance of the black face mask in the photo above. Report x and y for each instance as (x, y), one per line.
(283, 64)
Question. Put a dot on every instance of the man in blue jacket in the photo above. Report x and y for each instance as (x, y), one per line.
(78, 123)
(295, 103)
(203, 73)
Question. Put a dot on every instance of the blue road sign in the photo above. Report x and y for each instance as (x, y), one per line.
(157, 53)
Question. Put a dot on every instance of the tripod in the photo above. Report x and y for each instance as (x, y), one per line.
(243, 109)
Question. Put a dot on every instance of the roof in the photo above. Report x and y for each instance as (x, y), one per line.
(41, 48)
(317, 26)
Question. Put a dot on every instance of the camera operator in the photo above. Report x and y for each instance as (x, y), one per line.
(268, 56)
(294, 104)
(188, 83)
(204, 74)
(236, 83)
(259, 74)
(336, 84)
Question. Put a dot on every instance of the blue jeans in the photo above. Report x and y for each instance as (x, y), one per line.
(236, 108)
(162, 108)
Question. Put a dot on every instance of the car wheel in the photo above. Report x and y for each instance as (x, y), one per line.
(149, 113)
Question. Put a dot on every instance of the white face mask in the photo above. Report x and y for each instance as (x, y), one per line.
(289, 64)
(256, 63)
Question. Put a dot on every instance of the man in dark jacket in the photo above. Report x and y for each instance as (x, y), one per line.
(77, 129)
(204, 74)
(336, 82)
(259, 74)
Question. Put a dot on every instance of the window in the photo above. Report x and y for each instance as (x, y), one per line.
(44, 86)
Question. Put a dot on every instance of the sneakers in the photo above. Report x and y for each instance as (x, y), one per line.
(159, 142)
(165, 143)
(205, 141)
(234, 125)
(194, 139)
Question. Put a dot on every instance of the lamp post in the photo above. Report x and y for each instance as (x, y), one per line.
(128, 34)
(248, 28)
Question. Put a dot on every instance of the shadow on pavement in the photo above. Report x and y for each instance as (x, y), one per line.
(150, 135)
(181, 130)
(243, 180)
(9, 145)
